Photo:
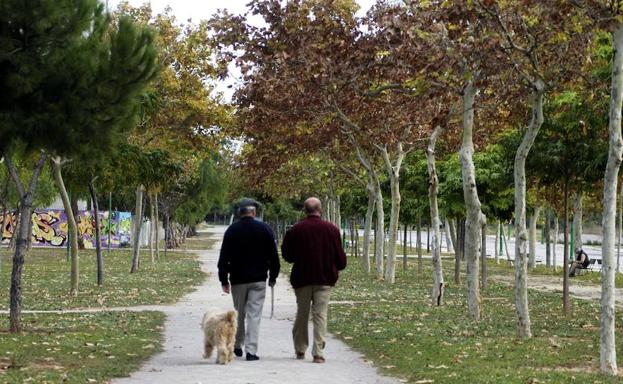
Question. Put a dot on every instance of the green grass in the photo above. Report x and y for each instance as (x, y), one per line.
(397, 327)
(79, 348)
(46, 279)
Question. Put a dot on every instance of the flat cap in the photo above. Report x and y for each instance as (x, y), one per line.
(247, 202)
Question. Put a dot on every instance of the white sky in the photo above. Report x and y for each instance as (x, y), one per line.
(201, 10)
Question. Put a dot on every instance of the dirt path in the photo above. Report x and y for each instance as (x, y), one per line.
(182, 362)
(554, 284)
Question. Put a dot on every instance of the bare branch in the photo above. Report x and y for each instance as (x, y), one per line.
(14, 174)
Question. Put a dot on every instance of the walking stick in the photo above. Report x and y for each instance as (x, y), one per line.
(272, 301)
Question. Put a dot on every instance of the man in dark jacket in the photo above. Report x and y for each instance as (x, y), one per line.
(315, 248)
(248, 253)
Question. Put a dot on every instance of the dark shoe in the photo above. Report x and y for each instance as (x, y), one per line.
(238, 352)
(300, 355)
(318, 359)
(252, 357)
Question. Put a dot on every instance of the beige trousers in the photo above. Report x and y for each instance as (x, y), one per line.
(315, 297)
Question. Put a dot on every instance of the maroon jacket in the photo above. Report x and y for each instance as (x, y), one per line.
(315, 248)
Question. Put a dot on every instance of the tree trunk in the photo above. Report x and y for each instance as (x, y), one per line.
(167, 234)
(453, 234)
(577, 220)
(620, 229)
(368, 227)
(533, 220)
(394, 219)
(379, 232)
(554, 262)
(71, 221)
(22, 234)
(615, 150)
(152, 226)
(156, 226)
(73, 200)
(474, 219)
(137, 229)
(565, 263)
(497, 242)
(13, 242)
(433, 192)
(521, 268)
(483, 257)
(428, 238)
(99, 259)
(404, 249)
(449, 243)
(548, 240)
(458, 252)
(418, 246)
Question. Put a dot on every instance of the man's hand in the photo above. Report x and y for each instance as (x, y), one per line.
(226, 288)
(272, 283)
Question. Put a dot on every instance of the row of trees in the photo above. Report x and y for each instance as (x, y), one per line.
(106, 101)
(322, 85)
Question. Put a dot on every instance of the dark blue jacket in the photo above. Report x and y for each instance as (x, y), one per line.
(248, 252)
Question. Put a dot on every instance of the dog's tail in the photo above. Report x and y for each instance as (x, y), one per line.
(232, 315)
(203, 321)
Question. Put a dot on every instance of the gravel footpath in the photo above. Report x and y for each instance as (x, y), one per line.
(182, 362)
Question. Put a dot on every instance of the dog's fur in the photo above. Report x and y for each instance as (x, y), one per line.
(219, 329)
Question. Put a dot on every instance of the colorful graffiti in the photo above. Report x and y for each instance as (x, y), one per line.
(49, 228)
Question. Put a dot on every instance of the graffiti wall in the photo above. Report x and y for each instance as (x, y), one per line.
(49, 228)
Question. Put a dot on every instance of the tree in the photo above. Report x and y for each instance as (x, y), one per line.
(104, 71)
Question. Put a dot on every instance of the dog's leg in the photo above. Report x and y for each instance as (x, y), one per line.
(230, 347)
(221, 355)
(208, 347)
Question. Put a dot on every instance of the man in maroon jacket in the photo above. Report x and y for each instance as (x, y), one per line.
(314, 247)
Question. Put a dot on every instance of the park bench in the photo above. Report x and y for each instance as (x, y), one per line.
(594, 265)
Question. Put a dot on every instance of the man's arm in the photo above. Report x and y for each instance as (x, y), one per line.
(224, 260)
(340, 259)
(286, 247)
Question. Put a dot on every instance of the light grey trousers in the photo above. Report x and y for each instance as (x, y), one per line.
(248, 301)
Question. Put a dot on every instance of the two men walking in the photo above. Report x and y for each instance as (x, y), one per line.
(314, 248)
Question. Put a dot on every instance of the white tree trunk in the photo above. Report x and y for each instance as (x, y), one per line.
(157, 226)
(72, 230)
(152, 227)
(555, 242)
(497, 242)
(137, 229)
(394, 219)
(474, 217)
(577, 220)
(620, 228)
(449, 244)
(433, 191)
(615, 150)
(533, 220)
(379, 251)
(521, 271)
(368, 228)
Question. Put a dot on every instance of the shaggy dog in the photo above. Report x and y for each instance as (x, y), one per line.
(219, 329)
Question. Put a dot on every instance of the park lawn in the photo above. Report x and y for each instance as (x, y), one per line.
(397, 328)
(79, 347)
(46, 279)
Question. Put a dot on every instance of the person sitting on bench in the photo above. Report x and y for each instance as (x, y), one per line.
(581, 261)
